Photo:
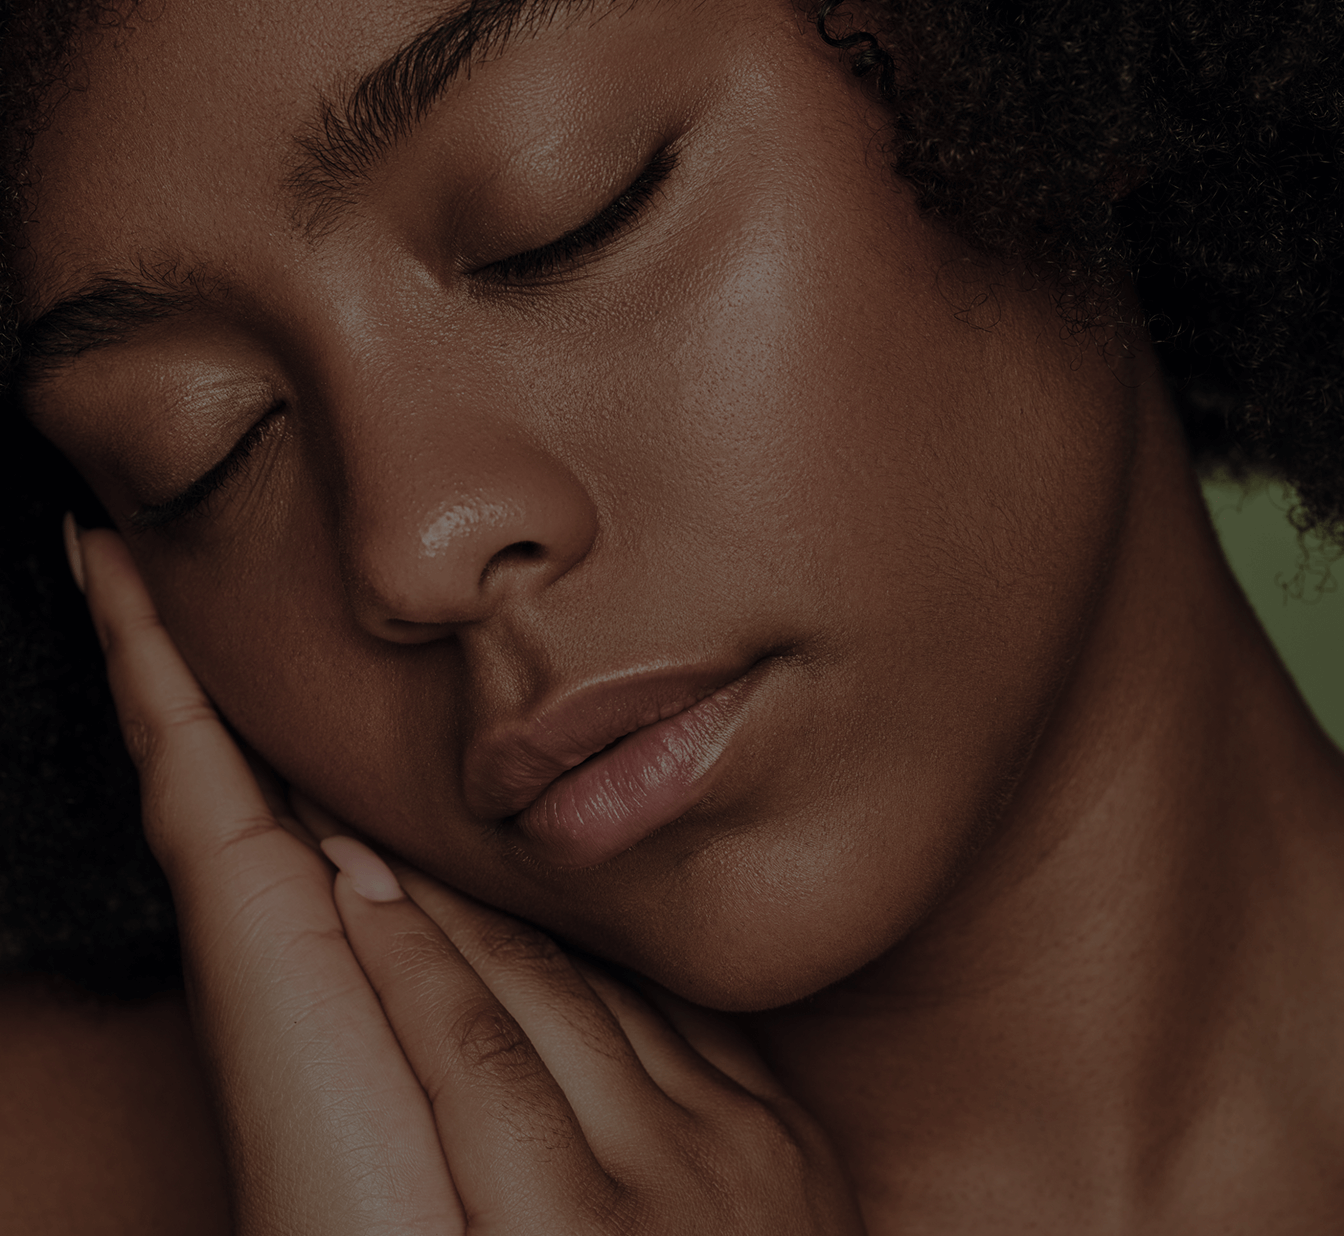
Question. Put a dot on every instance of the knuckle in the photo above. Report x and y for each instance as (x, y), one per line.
(232, 847)
(591, 1024)
(552, 983)
(142, 742)
(507, 942)
(185, 713)
(761, 1141)
(485, 1037)
(147, 734)
(605, 1205)
(192, 858)
(127, 629)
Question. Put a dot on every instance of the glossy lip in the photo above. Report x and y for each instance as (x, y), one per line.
(593, 772)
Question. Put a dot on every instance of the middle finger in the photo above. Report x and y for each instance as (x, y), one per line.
(584, 1046)
(518, 1153)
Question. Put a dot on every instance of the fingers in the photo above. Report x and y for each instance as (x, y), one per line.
(616, 1056)
(717, 1040)
(518, 1150)
(505, 1061)
(575, 1032)
(687, 1051)
(191, 771)
(518, 1153)
(313, 1084)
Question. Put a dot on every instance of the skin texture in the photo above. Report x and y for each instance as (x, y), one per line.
(1019, 757)
(653, 423)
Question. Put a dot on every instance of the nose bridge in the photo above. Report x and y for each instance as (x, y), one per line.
(447, 511)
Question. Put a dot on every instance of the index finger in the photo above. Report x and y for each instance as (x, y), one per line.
(329, 1127)
(199, 795)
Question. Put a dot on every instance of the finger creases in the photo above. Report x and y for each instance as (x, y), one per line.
(517, 1150)
(620, 1061)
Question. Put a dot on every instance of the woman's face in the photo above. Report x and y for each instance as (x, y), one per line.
(750, 452)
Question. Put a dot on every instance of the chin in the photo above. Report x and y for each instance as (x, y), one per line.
(753, 988)
(739, 949)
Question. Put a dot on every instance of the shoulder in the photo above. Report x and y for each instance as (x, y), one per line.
(105, 1123)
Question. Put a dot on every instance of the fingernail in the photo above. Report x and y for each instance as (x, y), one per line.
(73, 553)
(369, 876)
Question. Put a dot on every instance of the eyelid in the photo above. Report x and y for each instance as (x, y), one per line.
(174, 510)
(591, 235)
(530, 265)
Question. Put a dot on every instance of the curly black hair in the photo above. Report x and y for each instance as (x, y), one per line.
(1198, 146)
(1193, 145)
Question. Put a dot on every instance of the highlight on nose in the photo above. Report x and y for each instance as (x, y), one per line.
(422, 565)
(460, 519)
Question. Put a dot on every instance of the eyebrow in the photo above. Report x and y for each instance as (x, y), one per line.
(103, 312)
(339, 150)
(351, 134)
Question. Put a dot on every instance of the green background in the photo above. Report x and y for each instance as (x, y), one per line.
(1293, 584)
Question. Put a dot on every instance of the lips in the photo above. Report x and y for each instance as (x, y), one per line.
(591, 774)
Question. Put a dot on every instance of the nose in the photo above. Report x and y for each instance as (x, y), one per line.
(445, 536)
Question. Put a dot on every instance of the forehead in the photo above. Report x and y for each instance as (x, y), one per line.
(193, 116)
(179, 79)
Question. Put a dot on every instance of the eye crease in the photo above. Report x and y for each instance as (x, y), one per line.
(516, 270)
(178, 508)
(606, 225)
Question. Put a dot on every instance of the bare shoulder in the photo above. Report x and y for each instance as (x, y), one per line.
(105, 1126)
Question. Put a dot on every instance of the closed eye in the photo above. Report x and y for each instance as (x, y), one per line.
(174, 510)
(589, 237)
(530, 266)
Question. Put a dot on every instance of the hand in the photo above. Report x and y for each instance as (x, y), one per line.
(422, 1064)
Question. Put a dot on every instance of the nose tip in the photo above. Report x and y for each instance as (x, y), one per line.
(421, 571)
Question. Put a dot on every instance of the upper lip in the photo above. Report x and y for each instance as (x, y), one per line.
(510, 766)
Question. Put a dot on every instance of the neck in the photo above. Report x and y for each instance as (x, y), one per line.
(1107, 1012)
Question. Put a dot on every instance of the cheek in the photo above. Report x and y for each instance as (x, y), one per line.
(937, 505)
(942, 492)
(814, 441)
(265, 626)
(973, 532)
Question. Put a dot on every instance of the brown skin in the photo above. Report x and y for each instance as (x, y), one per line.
(753, 424)
(946, 542)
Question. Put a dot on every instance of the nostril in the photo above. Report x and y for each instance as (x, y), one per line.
(518, 552)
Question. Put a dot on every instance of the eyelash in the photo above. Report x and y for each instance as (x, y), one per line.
(192, 499)
(520, 268)
(614, 218)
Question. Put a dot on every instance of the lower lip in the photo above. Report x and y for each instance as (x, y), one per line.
(646, 780)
